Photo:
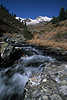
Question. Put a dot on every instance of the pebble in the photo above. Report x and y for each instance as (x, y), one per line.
(56, 97)
(45, 97)
(63, 89)
(44, 80)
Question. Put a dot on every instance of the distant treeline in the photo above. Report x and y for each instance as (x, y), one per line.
(7, 10)
(62, 16)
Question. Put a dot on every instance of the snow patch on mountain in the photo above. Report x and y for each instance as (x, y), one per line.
(20, 19)
(30, 21)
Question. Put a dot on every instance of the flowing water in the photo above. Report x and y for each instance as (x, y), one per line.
(14, 78)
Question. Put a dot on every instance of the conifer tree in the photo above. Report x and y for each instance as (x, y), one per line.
(62, 14)
(66, 14)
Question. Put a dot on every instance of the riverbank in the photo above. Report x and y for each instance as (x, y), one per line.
(56, 52)
(54, 44)
(59, 52)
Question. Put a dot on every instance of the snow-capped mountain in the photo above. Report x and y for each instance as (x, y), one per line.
(30, 21)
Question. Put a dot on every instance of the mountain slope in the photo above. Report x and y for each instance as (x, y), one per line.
(10, 27)
(49, 34)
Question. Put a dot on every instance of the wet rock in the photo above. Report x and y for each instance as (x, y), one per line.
(3, 47)
(63, 89)
(45, 98)
(6, 51)
(44, 80)
(55, 97)
(12, 56)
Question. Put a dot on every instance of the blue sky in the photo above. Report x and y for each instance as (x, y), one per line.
(34, 8)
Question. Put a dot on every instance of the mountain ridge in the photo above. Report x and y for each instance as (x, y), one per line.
(37, 20)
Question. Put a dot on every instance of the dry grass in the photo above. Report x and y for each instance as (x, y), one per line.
(50, 35)
(48, 43)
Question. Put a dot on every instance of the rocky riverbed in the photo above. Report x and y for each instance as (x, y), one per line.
(50, 84)
(28, 73)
